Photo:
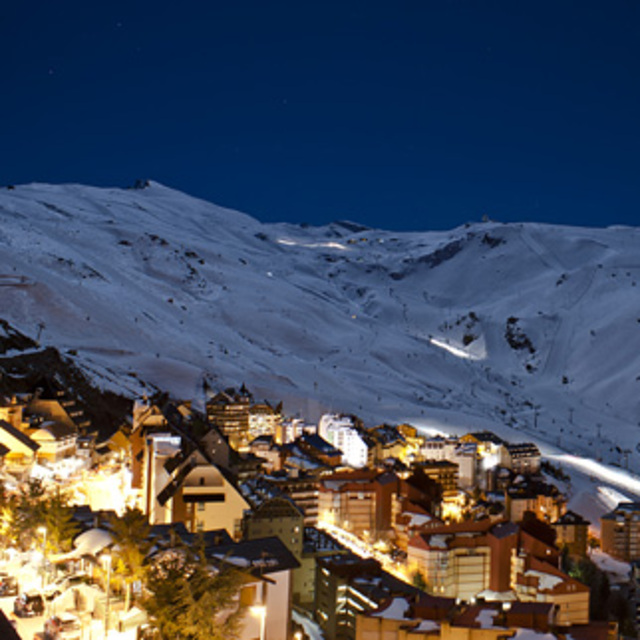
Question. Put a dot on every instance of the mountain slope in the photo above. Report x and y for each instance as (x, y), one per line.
(524, 326)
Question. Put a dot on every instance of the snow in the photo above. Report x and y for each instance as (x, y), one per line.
(90, 542)
(311, 628)
(150, 288)
(457, 351)
(395, 611)
(485, 618)
(497, 596)
(427, 625)
(418, 519)
(617, 570)
(530, 634)
(235, 560)
(438, 542)
(546, 581)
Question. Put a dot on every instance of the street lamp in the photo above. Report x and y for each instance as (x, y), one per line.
(43, 532)
(106, 559)
(260, 611)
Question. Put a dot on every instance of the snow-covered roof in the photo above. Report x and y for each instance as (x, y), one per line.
(485, 618)
(91, 542)
(546, 581)
(395, 610)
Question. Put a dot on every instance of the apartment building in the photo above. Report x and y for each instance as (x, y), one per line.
(620, 532)
(359, 501)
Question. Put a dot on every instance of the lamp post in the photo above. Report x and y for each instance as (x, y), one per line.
(260, 611)
(106, 559)
(43, 532)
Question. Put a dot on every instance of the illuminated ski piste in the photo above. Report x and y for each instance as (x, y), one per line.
(618, 477)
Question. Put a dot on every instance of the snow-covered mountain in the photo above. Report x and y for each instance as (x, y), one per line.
(506, 326)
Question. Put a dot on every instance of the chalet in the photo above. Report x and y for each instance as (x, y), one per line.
(52, 401)
(12, 411)
(22, 450)
(180, 484)
(57, 440)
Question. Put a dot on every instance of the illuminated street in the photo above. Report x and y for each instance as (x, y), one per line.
(365, 550)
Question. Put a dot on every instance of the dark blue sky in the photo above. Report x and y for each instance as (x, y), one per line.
(404, 115)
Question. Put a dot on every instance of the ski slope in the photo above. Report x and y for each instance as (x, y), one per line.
(530, 330)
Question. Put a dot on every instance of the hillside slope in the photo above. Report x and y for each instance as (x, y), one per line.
(526, 326)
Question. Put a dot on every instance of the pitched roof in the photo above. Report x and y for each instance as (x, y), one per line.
(7, 630)
(523, 449)
(570, 517)
(504, 530)
(487, 436)
(277, 507)
(58, 430)
(261, 556)
(18, 435)
(318, 443)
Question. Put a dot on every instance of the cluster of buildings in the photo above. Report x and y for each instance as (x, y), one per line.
(453, 537)
(44, 427)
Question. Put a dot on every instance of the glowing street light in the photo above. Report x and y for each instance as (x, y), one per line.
(106, 559)
(260, 611)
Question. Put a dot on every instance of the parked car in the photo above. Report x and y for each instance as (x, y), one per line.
(8, 585)
(64, 626)
(28, 604)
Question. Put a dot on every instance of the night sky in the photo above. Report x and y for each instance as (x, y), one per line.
(403, 115)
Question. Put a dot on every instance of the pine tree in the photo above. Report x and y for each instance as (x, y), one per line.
(131, 537)
(28, 512)
(191, 600)
(58, 519)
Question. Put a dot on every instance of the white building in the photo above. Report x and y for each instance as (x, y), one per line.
(465, 456)
(438, 448)
(342, 434)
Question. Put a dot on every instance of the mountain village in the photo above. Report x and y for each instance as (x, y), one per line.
(336, 530)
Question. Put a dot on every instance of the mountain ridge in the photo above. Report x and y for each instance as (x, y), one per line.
(521, 326)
